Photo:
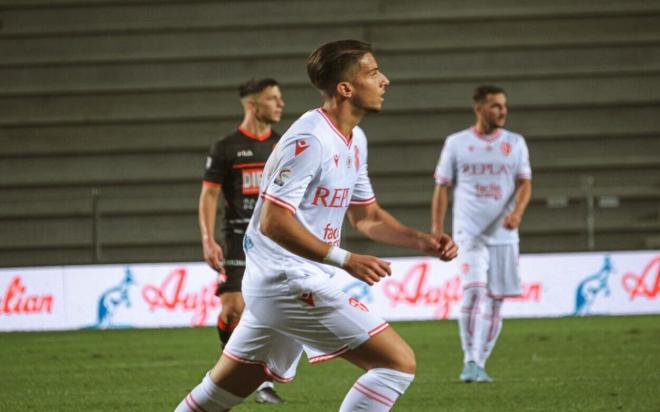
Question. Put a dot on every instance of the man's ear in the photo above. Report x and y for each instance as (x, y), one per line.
(344, 89)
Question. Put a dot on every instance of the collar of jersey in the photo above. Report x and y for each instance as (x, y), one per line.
(346, 140)
(486, 137)
(251, 135)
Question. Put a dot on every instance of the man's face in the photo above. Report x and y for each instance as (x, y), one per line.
(368, 85)
(492, 111)
(268, 105)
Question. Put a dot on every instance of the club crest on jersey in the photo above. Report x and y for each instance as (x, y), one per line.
(505, 148)
(336, 160)
(282, 177)
(301, 146)
(357, 158)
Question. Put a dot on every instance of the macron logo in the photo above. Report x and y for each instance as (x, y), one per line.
(301, 146)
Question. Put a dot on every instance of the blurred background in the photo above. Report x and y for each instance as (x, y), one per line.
(108, 108)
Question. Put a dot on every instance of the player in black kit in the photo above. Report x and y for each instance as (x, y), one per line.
(233, 168)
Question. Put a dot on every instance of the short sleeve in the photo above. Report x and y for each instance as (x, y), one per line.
(299, 162)
(524, 167)
(363, 192)
(444, 171)
(215, 170)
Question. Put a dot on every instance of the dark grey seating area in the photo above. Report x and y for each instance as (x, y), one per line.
(108, 107)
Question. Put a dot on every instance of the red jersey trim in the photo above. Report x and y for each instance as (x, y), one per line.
(279, 202)
(441, 180)
(346, 140)
(210, 183)
(486, 137)
(268, 371)
(257, 137)
(363, 202)
(244, 165)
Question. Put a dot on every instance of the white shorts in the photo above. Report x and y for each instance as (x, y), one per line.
(315, 317)
(491, 266)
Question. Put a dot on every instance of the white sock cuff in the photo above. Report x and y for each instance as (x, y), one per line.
(219, 395)
(266, 384)
(395, 380)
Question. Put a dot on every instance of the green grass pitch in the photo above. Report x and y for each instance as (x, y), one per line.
(566, 364)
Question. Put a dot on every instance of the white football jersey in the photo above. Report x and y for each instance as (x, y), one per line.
(484, 170)
(316, 173)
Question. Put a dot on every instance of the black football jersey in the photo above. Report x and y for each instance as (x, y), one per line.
(236, 162)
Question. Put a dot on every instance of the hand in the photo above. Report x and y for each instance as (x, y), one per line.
(366, 268)
(440, 245)
(512, 220)
(213, 255)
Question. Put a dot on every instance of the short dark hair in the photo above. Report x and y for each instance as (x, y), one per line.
(253, 86)
(481, 92)
(328, 64)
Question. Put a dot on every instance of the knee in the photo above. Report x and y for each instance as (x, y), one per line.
(231, 313)
(405, 361)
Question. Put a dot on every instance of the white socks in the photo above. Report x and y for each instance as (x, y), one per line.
(376, 391)
(492, 325)
(470, 322)
(208, 397)
(479, 324)
(266, 384)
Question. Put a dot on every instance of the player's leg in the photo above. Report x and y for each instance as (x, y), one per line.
(472, 264)
(230, 314)
(503, 281)
(390, 367)
(492, 325)
(255, 353)
(224, 386)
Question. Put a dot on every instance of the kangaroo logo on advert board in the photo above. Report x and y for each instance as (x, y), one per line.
(592, 287)
(111, 301)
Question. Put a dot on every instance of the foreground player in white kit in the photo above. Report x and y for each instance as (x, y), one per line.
(492, 175)
(316, 174)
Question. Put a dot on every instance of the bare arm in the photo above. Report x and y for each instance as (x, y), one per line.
(439, 209)
(280, 225)
(377, 224)
(523, 195)
(208, 207)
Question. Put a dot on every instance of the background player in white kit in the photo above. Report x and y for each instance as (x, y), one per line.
(490, 169)
(316, 174)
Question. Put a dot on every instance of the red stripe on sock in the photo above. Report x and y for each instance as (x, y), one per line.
(368, 395)
(375, 393)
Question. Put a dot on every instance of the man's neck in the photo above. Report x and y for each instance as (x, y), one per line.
(344, 116)
(485, 129)
(255, 126)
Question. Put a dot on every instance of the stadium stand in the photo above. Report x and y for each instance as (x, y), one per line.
(108, 107)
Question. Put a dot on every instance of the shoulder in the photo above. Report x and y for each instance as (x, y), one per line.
(458, 137)
(513, 137)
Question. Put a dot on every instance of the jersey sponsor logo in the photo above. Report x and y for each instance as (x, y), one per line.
(301, 146)
(486, 169)
(331, 235)
(244, 153)
(282, 177)
(492, 190)
(505, 148)
(334, 198)
(251, 179)
(16, 300)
